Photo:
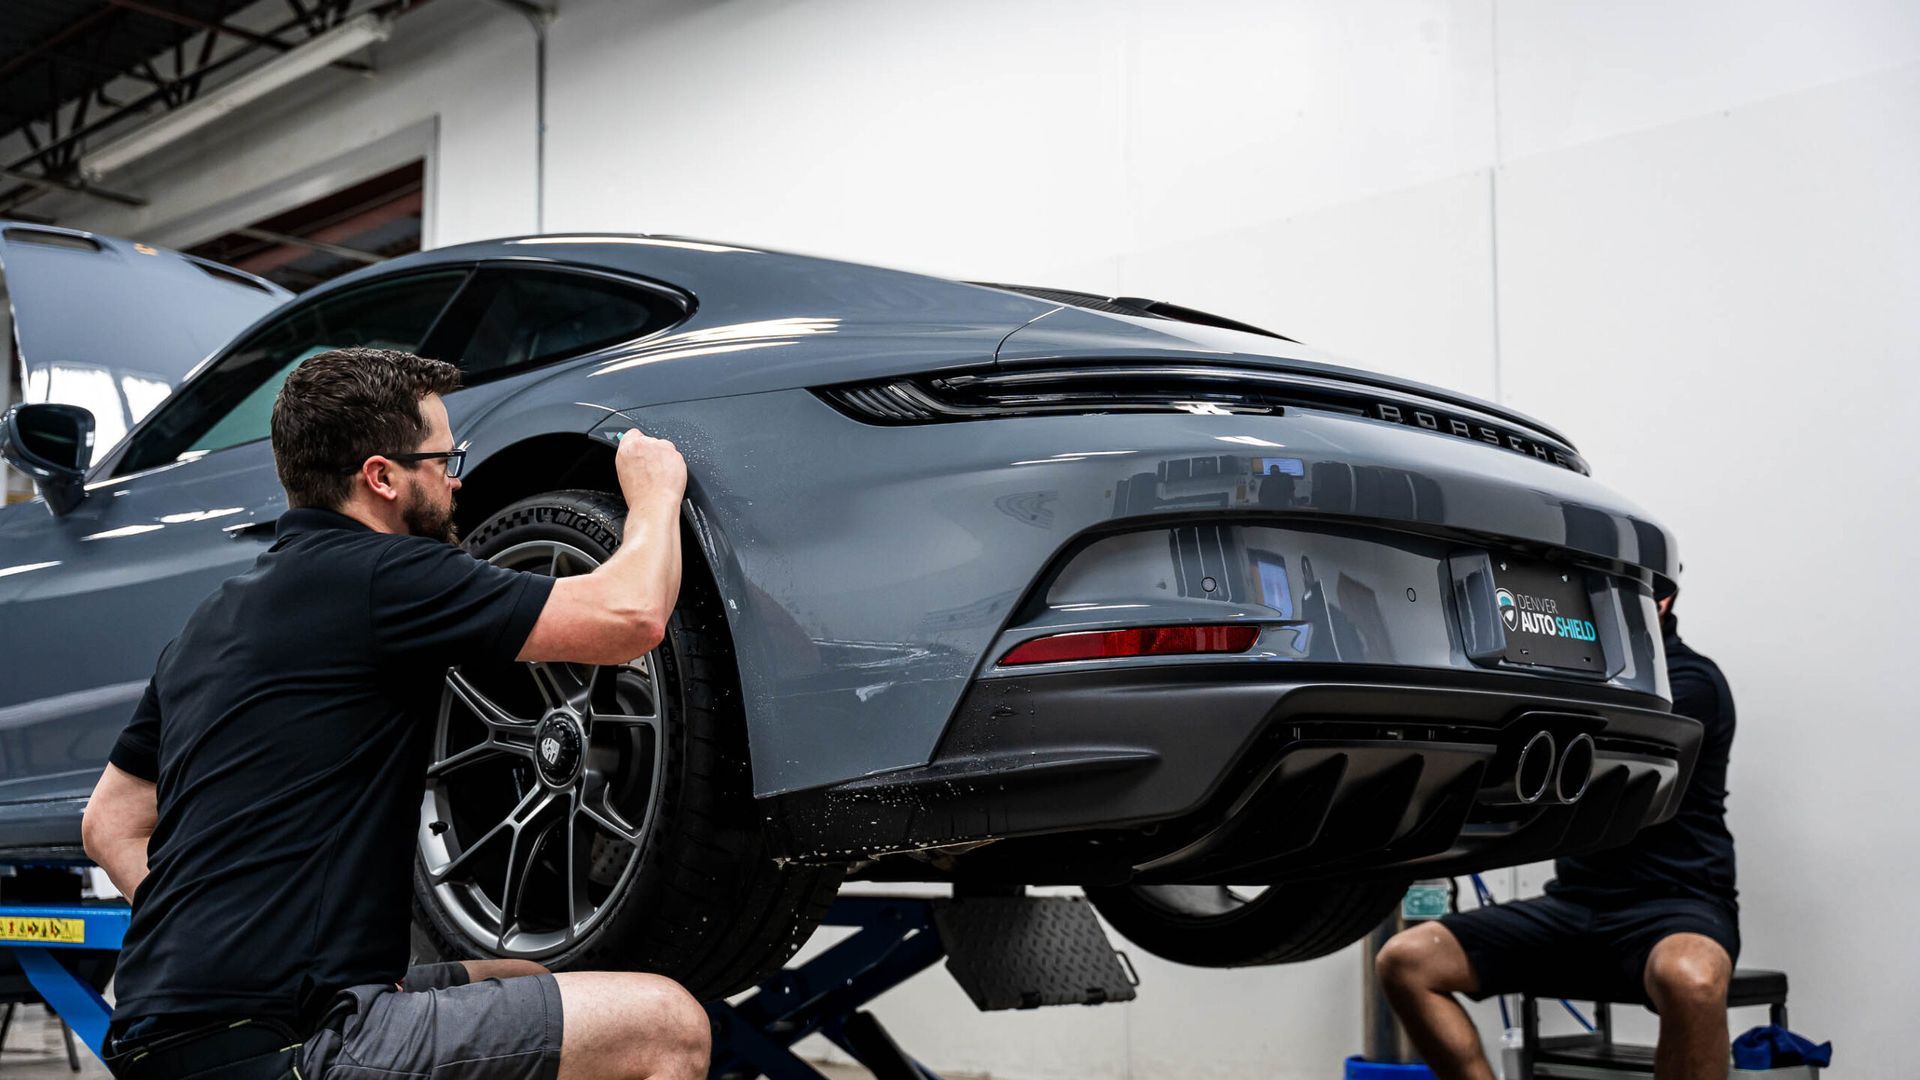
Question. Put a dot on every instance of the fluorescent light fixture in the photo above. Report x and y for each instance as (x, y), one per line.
(296, 63)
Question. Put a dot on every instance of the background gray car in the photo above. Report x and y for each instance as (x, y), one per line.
(985, 584)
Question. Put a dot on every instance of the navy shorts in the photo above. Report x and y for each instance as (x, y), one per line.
(1553, 946)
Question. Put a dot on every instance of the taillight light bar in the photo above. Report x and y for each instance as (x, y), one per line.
(1134, 641)
(1199, 388)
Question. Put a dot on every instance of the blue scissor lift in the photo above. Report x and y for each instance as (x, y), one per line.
(1006, 951)
(53, 944)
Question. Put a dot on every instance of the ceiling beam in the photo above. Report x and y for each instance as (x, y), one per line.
(181, 18)
(367, 258)
(81, 26)
(330, 236)
(156, 96)
(47, 184)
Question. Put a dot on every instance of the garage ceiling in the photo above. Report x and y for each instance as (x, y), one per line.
(72, 70)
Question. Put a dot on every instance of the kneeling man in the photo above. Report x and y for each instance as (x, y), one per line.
(260, 808)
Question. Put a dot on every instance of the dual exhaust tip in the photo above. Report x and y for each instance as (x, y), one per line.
(1550, 773)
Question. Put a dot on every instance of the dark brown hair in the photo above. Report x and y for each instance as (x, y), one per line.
(340, 408)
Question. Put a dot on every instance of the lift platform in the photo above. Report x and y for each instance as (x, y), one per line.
(55, 945)
(1006, 952)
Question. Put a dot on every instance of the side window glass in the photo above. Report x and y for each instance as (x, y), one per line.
(232, 402)
(522, 318)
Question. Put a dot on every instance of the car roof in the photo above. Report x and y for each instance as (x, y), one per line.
(743, 286)
(743, 283)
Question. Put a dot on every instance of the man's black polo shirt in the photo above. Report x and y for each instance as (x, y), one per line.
(288, 730)
(1692, 854)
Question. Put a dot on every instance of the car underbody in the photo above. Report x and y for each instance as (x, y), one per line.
(1206, 774)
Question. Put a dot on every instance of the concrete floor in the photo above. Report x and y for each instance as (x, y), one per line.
(34, 1050)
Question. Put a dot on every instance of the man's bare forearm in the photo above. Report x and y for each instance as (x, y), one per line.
(638, 584)
(125, 862)
(118, 825)
(619, 612)
(645, 573)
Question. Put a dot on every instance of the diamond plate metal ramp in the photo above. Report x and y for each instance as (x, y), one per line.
(1021, 952)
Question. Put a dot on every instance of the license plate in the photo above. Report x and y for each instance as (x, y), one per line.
(36, 930)
(1547, 615)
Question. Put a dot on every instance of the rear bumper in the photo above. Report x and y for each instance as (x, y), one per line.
(1212, 773)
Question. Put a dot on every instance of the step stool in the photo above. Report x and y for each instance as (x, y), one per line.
(1595, 1056)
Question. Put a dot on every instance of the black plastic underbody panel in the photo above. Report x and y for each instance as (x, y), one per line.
(1205, 773)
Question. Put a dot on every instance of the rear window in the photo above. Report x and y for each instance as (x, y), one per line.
(513, 318)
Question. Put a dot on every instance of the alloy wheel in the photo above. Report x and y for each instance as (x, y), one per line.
(543, 786)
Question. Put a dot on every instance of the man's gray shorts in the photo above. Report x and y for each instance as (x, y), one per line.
(440, 1026)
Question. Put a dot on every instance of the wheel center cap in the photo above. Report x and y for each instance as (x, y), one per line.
(556, 749)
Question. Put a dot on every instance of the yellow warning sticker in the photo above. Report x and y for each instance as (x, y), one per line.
(65, 931)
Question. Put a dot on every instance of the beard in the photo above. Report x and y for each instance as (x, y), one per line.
(422, 518)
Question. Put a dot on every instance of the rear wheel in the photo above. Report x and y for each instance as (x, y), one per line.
(1232, 926)
(603, 817)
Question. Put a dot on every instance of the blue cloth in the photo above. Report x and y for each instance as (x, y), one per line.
(1772, 1046)
(1359, 1068)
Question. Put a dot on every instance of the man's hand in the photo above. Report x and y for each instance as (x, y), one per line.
(651, 471)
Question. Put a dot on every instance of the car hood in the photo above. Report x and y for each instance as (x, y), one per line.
(114, 325)
(1072, 335)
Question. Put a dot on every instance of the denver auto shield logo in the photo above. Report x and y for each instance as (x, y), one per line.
(1509, 614)
(1524, 613)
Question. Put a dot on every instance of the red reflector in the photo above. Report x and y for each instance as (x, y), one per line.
(1139, 641)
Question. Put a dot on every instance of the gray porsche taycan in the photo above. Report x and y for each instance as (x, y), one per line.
(986, 584)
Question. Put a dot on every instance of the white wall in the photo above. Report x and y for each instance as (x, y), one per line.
(1687, 233)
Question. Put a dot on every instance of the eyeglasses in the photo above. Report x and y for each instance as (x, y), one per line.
(455, 459)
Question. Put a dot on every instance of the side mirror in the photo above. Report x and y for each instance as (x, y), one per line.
(52, 444)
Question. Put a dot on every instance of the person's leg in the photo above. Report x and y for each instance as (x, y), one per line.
(515, 1025)
(1420, 969)
(1686, 978)
(627, 1026)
